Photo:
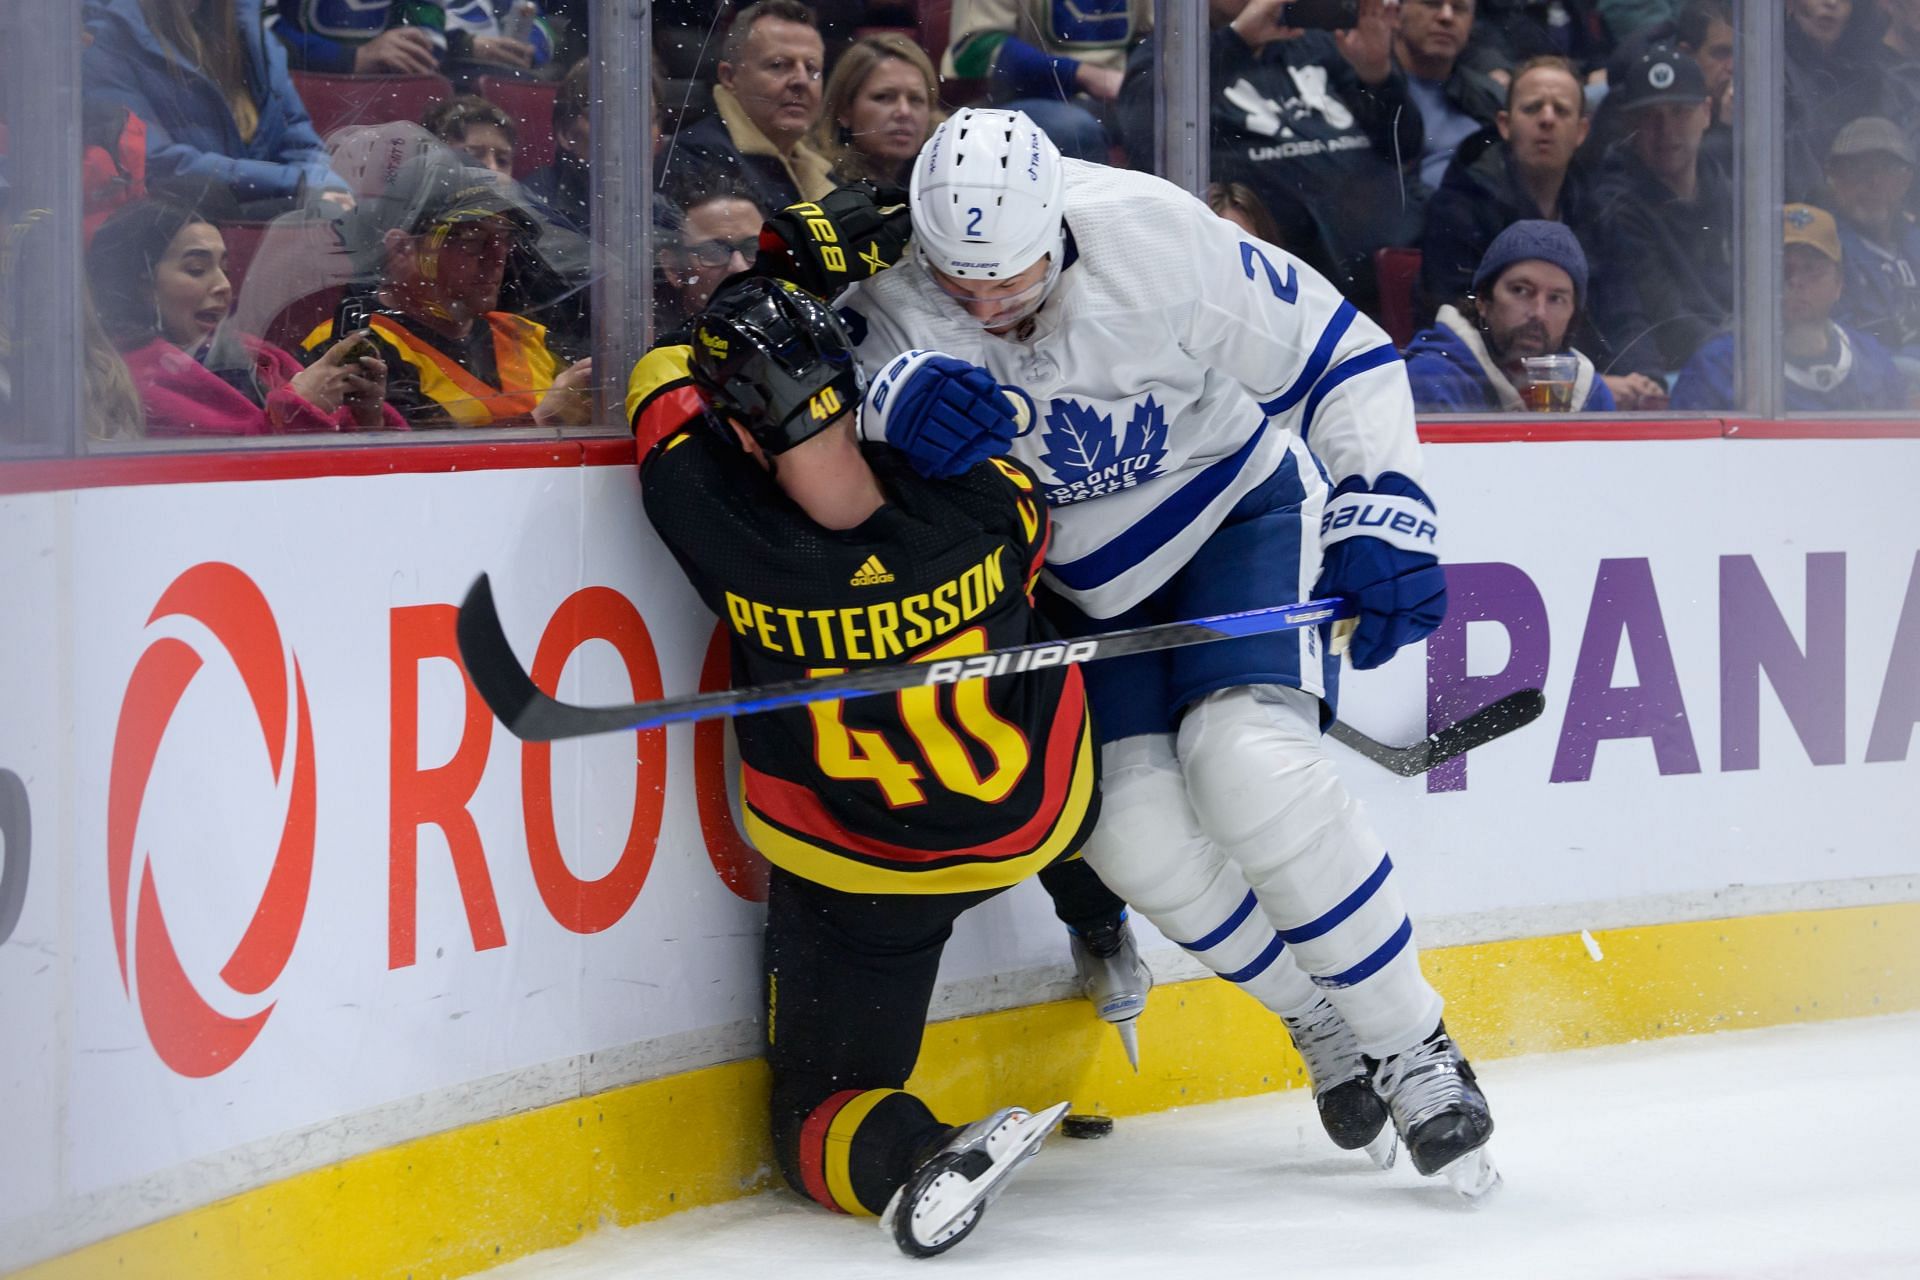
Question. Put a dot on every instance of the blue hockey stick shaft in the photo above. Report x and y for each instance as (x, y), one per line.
(533, 715)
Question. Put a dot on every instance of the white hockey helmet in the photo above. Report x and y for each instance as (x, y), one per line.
(988, 196)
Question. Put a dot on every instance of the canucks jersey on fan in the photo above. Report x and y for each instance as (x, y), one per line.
(993, 779)
(1177, 362)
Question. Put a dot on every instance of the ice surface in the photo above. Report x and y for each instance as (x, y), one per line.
(1786, 1152)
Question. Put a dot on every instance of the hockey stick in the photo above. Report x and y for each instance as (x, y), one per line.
(531, 715)
(1515, 711)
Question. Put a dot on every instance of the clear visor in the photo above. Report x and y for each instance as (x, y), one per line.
(1007, 309)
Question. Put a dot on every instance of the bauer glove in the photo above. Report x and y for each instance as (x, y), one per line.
(847, 235)
(946, 415)
(1381, 550)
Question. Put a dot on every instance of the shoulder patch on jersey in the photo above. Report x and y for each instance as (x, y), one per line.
(660, 370)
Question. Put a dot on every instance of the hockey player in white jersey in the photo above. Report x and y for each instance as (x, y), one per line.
(1218, 429)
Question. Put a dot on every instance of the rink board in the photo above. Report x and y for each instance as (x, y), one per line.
(267, 940)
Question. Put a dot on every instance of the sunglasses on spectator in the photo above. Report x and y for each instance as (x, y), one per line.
(717, 253)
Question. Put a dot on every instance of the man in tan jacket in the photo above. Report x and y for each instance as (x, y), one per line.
(767, 99)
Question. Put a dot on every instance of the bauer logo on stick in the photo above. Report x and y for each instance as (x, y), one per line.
(1000, 664)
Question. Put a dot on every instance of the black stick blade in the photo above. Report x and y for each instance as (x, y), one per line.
(503, 683)
(1496, 720)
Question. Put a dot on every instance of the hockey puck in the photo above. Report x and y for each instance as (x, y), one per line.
(1084, 1125)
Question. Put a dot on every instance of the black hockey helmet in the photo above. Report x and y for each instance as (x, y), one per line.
(775, 359)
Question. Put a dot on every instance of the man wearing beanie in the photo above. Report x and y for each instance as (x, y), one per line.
(1829, 368)
(1529, 287)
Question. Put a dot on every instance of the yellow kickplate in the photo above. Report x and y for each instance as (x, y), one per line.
(456, 1203)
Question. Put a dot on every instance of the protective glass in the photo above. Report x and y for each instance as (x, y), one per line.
(717, 253)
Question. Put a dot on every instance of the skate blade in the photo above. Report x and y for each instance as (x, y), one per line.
(1473, 1176)
(913, 1236)
(1129, 1032)
(1385, 1147)
(940, 1211)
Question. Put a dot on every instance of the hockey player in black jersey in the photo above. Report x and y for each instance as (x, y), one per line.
(884, 818)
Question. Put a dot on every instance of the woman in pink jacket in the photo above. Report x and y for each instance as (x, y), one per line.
(157, 273)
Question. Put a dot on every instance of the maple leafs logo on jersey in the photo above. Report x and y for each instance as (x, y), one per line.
(1086, 458)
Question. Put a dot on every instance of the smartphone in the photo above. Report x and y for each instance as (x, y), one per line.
(351, 316)
(1320, 15)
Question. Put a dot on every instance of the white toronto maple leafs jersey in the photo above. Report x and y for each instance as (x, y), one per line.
(1174, 365)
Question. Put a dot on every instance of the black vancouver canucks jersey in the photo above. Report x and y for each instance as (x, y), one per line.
(937, 789)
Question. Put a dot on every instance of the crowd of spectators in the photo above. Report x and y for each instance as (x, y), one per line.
(1492, 178)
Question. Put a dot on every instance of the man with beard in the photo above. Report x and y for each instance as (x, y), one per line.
(767, 100)
(1526, 293)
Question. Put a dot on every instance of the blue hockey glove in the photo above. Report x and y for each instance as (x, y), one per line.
(946, 415)
(1381, 550)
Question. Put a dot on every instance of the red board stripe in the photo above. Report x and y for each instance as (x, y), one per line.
(305, 461)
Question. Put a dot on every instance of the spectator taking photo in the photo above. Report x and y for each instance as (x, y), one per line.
(434, 248)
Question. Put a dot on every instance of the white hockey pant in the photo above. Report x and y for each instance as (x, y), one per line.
(1148, 848)
(1251, 800)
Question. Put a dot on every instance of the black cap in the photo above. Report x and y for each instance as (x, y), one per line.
(1662, 74)
(776, 359)
(438, 189)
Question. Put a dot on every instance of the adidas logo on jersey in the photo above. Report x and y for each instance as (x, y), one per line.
(870, 574)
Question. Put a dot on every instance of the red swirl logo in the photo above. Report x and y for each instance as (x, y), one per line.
(190, 1035)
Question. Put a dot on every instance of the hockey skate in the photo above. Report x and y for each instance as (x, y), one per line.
(1441, 1114)
(1114, 979)
(1353, 1115)
(944, 1200)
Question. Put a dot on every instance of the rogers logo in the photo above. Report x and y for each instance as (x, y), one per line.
(189, 1034)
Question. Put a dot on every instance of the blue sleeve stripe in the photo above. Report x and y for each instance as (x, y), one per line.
(1146, 535)
(1317, 362)
(1261, 963)
(1337, 915)
(1382, 956)
(1214, 938)
(1351, 367)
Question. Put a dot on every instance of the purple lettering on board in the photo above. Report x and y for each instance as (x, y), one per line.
(1899, 705)
(1811, 685)
(1497, 593)
(1625, 605)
